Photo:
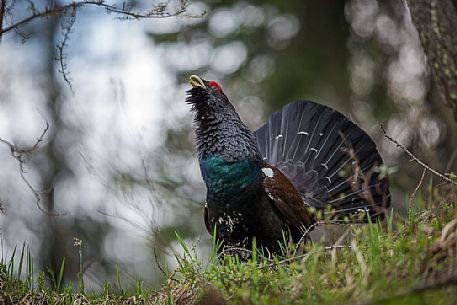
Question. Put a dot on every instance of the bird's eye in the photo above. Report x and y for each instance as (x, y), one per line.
(215, 86)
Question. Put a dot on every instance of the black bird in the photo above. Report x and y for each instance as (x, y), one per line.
(262, 184)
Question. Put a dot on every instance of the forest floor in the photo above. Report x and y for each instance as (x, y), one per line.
(410, 260)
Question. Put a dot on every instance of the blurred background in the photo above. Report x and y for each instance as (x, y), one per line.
(118, 167)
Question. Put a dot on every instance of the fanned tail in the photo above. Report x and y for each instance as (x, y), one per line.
(329, 159)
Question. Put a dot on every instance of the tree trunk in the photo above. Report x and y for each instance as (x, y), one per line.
(436, 23)
(2, 15)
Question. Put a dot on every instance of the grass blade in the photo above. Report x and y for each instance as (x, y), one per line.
(19, 269)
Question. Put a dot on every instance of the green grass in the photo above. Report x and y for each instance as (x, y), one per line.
(411, 260)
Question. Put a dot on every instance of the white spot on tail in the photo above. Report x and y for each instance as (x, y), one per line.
(303, 132)
(278, 136)
(313, 149)
(268, 172)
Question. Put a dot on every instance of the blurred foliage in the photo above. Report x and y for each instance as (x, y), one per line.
(284, 51)
(361, 57)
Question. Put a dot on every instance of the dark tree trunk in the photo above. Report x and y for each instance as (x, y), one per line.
(436, 23)
(2, 14)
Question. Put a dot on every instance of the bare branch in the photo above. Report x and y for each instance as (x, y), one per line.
(69, 10)
(124, 12)
(40, 139)
(157, 261)
(21, 155)
(305, 235)
(360, 182)
(416, 159)
(410, 204)
(61, 57)
(303, 256)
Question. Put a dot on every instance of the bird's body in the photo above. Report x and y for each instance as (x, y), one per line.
(262, 184)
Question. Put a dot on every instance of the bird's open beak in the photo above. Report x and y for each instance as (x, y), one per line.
(196, 81)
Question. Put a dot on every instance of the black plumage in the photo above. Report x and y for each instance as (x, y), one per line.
(320, 151)
(262, 184)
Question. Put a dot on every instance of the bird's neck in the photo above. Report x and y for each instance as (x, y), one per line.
(228, 155)
(228, 180)
(225, 135)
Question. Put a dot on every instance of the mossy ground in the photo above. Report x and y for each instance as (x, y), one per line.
(410, 260)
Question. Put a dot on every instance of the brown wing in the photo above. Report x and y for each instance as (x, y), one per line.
(286, 198)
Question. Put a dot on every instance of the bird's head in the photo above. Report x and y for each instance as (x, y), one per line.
(198, 82)
(220, 130)
(208, 99)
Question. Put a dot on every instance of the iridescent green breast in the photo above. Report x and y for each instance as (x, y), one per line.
(226, 179)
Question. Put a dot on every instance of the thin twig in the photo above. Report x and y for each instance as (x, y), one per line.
(302, 256)
(21, 155)
(131, 222)
(338, 243)
(305, 235)
(416, 159)
(281, 262)
(157, 261)
(40, 139)
(157, 11)
(361, 182)
(61, 57)
(410, 204)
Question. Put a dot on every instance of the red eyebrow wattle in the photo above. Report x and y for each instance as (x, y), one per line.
(213, 83)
